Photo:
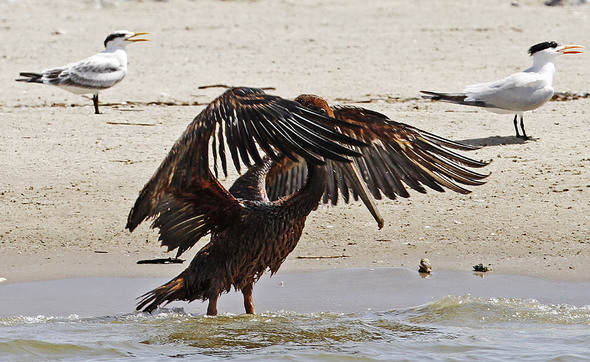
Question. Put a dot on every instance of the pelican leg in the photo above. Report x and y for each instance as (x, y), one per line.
(95, 101)
(212, 307)
(248, 303)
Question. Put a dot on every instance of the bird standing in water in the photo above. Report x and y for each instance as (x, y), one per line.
(313, 152)
(93, 74)
(517, 93)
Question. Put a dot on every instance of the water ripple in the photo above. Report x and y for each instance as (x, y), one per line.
(460, 328)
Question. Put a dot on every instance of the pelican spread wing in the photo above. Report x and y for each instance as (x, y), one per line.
(184, 196)
(397, 156)
(401, 153)
(187, 202)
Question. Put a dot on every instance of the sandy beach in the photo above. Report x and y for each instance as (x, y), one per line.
(69, 177)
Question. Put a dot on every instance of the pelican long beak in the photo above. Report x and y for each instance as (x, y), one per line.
(567, 49)
(136, 34)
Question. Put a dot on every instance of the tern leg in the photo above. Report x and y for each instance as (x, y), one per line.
(516, 125)
(248, 303)
(524, 136)
(95, 101)
(212, 307)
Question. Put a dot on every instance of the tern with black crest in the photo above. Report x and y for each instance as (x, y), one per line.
(518, 93)
(93, 74)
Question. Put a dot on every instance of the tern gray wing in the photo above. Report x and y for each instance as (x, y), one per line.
(94, 72)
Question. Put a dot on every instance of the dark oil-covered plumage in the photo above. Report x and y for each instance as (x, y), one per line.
(313, 153)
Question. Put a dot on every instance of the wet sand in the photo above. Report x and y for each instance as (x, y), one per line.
(69, 177)
(336, 291)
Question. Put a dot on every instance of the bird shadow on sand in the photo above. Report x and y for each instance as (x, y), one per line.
(497, 141)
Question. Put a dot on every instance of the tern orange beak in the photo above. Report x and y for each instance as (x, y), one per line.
(571, 49)
(136, 34)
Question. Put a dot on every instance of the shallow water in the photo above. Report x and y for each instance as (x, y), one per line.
(358, 314)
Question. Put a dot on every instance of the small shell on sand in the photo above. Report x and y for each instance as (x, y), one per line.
(481, 268)
(425, 266)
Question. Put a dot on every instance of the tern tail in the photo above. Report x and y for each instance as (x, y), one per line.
(458, 98)
(449, 97)
(31, 77)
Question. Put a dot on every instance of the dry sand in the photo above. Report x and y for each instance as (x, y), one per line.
(69, 177)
